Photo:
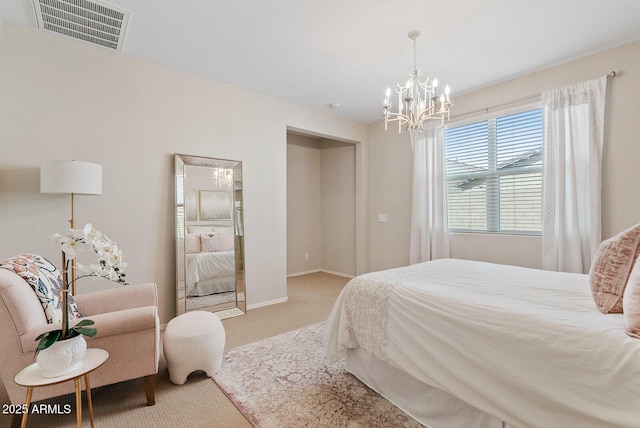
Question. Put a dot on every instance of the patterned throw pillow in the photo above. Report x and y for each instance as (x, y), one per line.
(46, 281)
(611, 267)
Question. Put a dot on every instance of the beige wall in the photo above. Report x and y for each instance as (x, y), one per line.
(304, 204)
(338, 207)
(390, 194)
(321, 204)
(621, 206)
(64, 99)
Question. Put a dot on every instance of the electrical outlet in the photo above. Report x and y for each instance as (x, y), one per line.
(383, 218)
(307, 256)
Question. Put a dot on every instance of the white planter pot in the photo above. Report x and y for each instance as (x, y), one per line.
(63, 357)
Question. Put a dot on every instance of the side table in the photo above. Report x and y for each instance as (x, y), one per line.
(31, 377)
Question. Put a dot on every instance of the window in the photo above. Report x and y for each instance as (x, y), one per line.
(494, 174)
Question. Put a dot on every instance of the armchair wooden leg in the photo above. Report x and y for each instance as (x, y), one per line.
(149, 389)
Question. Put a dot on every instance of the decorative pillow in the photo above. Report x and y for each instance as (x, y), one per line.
(631, 302)
(192, 243)
(200, 229)
(226, 241)
(217, 229)
(611, 267)
(46, 281)
(217, 241)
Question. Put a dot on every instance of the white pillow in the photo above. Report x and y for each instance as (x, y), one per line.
(223, 229)
(200, 229)
(192, 243)
(222, 241)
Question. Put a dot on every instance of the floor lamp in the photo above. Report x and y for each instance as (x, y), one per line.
(74, 178)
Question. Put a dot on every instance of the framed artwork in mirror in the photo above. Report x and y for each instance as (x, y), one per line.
(215, 205)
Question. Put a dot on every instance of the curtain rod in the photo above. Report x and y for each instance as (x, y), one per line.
(609, 75)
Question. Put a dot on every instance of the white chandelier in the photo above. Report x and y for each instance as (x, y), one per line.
(223, 178)
(417, 101)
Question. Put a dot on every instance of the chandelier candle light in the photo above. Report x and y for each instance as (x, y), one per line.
(417, 101)
(223, 177)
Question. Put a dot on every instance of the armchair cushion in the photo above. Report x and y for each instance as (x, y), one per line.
(46, 281)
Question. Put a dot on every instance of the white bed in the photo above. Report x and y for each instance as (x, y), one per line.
(458, 343)
(210, 273)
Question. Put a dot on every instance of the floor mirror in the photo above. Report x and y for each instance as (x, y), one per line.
(209, 236)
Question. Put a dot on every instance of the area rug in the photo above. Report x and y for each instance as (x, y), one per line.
(286, 381)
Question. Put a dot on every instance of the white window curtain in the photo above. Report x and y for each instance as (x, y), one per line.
(574, 131)
(429, 234)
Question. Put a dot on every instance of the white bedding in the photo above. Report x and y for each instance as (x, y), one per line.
(210, 272)
(527, 346)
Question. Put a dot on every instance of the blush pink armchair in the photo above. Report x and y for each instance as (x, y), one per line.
(128, 327)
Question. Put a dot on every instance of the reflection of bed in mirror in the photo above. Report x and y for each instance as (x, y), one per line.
(210, 273)
(210, 260)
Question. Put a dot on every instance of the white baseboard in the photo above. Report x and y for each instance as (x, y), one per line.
(267, 303)
(345, 275)
(306, 272)
(290, 275)
(285, 299)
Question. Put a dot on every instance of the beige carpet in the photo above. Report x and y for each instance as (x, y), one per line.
(199, 402)
(286, 382)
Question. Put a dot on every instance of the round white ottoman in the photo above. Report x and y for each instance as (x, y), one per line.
(193, 341)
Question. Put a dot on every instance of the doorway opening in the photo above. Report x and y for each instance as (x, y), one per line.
(322, 193)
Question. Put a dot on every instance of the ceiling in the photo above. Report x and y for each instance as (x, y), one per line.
(320, 52)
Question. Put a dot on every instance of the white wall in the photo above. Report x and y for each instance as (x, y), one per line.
(63, 99)
(621, 207)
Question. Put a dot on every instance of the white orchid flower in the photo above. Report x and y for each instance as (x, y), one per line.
(103, 247)
(84, 269)
(91, 233)
(113, 256)
(68, 246)
(99, 270)
(109, 257)
(78, 234)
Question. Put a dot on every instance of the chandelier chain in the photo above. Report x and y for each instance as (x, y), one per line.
(415, 56)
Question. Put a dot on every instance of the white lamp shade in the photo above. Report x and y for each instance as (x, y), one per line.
(60, 176)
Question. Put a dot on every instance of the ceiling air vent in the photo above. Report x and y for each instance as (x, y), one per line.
(91, 21)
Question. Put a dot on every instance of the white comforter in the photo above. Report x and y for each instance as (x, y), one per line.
(201, 267)
(525, 345)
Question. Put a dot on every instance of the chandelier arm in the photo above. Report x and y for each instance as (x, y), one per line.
(435, 115)
(427, 114)
(399, 117)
